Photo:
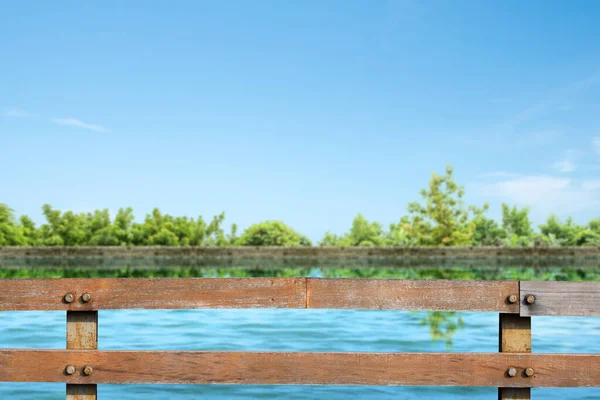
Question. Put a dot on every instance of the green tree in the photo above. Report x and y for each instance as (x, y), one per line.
(64, 229)
(594, 225)
(569, 233)
(362, 233)
(72, 229)
(271, 233)
(11, 233)
(160, 229)
(443, 218)
(400, 234)
(515, 221)
(487, 232)
(331, 239)
(30, 232)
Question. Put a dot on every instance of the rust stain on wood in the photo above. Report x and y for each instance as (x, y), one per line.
(395, 294)
(82, 334)
(515, 334)
(514, 337)
(561, 298)
(189, 367)
(82, 330)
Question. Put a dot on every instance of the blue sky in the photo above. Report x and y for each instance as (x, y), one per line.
(303, 111)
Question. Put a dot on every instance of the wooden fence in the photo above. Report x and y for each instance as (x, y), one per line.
(514, 369)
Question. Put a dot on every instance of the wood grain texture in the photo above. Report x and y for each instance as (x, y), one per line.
(561, 298)
(189, 367)
(82, 334)
(82, 330)
(515, 334)
(514, 337)
(396, 294)
(47, 294)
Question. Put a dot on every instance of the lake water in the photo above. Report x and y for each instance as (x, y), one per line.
(300, 330)
(290, 330)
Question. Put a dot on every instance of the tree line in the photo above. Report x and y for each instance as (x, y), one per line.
(440, 218)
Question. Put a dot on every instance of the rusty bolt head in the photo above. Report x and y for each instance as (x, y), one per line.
(530, 299)
(529, 372)
(87, 370)
(69, 297)
(86, 297)
(70, 369)
(512, 299)
(512, 372)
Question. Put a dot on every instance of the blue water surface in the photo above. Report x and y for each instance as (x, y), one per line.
(292, 330)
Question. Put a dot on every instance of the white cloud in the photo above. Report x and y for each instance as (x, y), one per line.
(596, 143)
(591, 185)
(565, 166)
(14, 113)
(80, 124)
(545, 194)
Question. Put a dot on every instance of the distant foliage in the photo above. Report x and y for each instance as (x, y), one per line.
(487, 232)
(569, 233)
(99, 229)
(515, 221)
(272, 233)
(362, 233)
(440, 218)
(11, 233)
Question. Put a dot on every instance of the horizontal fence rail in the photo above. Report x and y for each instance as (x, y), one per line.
(176, 293)
(561, 298)
(295, 368)
(513, 370)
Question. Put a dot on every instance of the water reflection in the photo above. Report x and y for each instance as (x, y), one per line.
(443, 325)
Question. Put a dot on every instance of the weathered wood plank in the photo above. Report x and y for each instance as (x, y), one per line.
(515, 334)
(189, 367)
(82, 334)
(82, 392)
(515, 337)
(82, 330)
(561, 298)
(262, 252)
(395, 294)
(551, 298)
(48, 294)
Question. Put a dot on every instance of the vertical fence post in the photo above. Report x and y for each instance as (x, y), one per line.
(82, 334)
(515, 337)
